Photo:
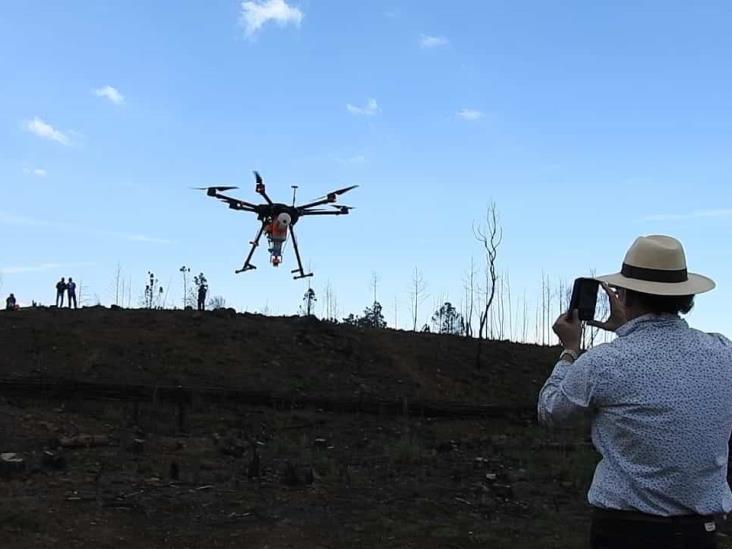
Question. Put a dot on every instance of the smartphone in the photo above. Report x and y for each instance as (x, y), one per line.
(584, 298)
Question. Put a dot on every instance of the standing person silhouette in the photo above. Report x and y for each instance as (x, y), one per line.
(71, 288)
(202, 290)
(60, 291)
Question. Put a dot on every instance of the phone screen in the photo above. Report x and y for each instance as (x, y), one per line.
(584, 298)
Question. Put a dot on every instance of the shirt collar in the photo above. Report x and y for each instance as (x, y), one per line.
(647, 320)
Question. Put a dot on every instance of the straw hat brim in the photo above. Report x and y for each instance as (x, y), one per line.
(696, 284)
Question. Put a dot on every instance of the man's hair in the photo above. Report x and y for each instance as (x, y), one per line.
(661, 304)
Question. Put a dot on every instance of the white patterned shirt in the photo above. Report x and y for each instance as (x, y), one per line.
(660, 398)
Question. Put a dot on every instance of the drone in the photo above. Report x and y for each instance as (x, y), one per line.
(278, 219)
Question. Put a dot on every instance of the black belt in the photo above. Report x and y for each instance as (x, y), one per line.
(637, 516)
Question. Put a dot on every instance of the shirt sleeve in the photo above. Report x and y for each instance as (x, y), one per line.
(572, 388)
(722, 339)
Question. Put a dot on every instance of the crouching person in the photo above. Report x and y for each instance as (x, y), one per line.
(660, 399)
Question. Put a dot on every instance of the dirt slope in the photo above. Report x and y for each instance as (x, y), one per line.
(286, 354)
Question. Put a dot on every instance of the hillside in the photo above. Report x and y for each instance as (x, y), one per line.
(115, 445)
(286, 354)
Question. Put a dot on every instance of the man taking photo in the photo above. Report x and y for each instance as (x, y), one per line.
(660, 399)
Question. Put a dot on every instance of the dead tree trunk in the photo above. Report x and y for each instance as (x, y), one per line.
(490, 237)
(418, 295)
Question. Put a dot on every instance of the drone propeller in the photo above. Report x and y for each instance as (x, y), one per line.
(335, 193)
(258, 177)
(211, 191)
(344, 190)
(217, 189)
(343, 208)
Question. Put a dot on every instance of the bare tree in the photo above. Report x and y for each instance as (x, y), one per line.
(153, 292)
(330, 303)
(185, 270)
(490, 236)
(396, 314)
(118, 284)
(82, 294)
(309, 300)
(525, 321)
(375, 279)
(217, 302)
(469, 287)
(507, 286)
(418, 295)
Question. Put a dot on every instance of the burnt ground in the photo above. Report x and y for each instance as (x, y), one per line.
(112, 470)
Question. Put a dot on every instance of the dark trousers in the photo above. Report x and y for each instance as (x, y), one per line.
(629, 530)
(72, 297)
(59, 299)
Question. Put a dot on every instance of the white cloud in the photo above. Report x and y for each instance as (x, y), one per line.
(697, 214)
(42, 129)
(470, 114)
(38, 172)
(256, 13)
(110, 93)
(433, 41)
(370, 109)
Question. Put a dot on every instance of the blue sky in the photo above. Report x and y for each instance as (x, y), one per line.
(588, 123)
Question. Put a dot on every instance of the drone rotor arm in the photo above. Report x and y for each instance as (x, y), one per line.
(325, 212)
(260, 188)
(328, 198)
(314, 204)
(235, 203)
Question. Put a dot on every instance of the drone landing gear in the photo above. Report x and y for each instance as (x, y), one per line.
(299, 260)
(248, 266)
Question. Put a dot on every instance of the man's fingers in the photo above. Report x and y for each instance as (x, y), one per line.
(610, 292)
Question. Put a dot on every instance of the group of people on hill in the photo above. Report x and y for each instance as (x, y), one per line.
(68, 288)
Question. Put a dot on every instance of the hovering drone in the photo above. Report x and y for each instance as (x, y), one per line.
(277, 219)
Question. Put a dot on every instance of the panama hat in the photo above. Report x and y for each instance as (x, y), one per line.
(657, 265)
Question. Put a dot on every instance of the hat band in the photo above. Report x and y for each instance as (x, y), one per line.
(654, 275)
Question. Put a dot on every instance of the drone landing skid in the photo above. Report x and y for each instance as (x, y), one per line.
(245, 268)
(301, 275)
